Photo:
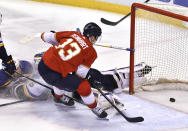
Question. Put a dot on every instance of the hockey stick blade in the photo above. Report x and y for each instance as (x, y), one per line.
(107, 22)
(134, 119)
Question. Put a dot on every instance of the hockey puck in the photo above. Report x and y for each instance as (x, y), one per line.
(172, 100)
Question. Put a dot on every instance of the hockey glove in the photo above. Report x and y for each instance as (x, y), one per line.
(9, 65)
(93, 82)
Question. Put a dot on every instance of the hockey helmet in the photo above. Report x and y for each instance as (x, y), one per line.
(38, 57)
(26, 67)
(4, 79)
(92, 29)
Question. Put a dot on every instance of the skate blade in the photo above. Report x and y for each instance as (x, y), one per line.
(103, 119)
(64, 106)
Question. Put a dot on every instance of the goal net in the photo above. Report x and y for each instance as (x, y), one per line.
(159, 35)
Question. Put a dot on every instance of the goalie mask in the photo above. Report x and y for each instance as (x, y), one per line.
(92, 31)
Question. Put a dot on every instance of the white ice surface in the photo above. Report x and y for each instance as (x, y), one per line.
(22, 18)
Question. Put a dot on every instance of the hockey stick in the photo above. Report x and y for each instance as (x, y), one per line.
(129, 119)
(115, 47)
(11, 103)
(133, 119)
(107, 22)
(108, 46)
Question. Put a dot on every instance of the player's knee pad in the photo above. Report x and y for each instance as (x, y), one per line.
(4, 79)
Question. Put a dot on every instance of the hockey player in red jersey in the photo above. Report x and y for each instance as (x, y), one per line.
(66, 64)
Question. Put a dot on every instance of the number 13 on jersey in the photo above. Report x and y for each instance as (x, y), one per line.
(67, 54)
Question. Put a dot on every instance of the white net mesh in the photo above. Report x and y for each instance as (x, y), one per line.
(161, 42)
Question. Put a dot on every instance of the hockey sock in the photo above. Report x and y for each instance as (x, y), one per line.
(86, 94)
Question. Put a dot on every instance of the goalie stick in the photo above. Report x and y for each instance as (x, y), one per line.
(107, 22)
(129, 119)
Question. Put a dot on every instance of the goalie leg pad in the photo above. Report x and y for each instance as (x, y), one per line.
(124, 82)
(30, 91)
(21, 92)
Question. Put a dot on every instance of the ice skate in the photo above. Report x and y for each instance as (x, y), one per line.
(64, 100)
(99, 112)
(122, 78)
(76, 96)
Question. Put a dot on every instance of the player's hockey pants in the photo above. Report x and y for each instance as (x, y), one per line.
(69, 83)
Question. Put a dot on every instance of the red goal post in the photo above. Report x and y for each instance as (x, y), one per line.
(160, 39)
